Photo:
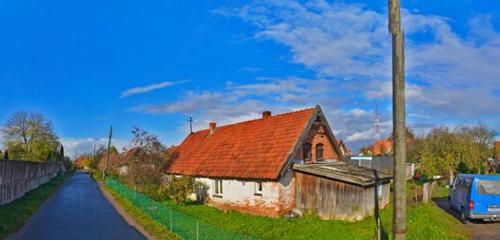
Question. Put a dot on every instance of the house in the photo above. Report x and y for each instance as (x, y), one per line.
(379, 148)
(249, 166)
(497, 150)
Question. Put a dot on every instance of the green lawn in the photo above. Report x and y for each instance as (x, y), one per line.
(425, 221)
(151, 226)
(14, 214)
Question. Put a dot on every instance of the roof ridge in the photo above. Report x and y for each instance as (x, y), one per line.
(256, 119)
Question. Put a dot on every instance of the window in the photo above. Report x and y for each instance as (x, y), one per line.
(306, 149)
(491, 187)
(218, 191)
(319, 152)
(258, 188)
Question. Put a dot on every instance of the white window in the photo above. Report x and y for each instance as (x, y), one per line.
(258, 188)
(218, 191)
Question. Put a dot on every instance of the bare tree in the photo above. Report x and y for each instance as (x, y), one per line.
(30, 136)
(145, 160)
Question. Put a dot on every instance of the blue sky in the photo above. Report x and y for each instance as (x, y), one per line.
(91, 64)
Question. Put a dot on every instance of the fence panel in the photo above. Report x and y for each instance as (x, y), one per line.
(380, 163)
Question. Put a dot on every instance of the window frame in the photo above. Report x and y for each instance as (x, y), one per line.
(307, 155)
(258, 188)
(322, 152)
(218, 188)
(483, 183)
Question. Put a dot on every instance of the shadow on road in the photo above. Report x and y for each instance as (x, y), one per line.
(443, 204)
(481, 230)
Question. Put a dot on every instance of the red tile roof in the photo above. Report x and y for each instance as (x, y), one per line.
(381, 147)
(256, 149)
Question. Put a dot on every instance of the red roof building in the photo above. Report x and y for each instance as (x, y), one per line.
(381, 147)
(255, 149)
(247, 166)
(497, 148)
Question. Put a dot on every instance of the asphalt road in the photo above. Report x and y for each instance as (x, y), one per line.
(77, 211)
(480, 230)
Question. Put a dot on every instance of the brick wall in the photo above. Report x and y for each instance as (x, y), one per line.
(315, 137)
(19, 177)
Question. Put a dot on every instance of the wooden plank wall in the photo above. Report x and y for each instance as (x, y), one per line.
(19, 177)
(336, 200)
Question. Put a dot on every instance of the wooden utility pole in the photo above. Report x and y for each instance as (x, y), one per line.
(93, 157)
(107, 153)
(398, 119)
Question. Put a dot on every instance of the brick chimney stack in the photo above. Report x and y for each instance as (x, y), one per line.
(212, 126)
(266, 114)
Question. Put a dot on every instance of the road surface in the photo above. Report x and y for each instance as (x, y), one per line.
(480, 230)
(77, 211)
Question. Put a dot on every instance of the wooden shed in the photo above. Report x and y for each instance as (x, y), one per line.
(340, 191)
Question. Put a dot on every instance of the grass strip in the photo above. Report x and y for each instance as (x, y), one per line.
(150, 225)
(14, 214)
(424, 221)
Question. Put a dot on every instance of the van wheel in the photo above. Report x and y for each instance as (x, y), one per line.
(463, 218)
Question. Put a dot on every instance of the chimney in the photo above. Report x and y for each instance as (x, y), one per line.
(266, 114)
(212, 126)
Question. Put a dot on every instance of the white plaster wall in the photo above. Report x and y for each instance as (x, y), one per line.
(243, 192)
(287, 189)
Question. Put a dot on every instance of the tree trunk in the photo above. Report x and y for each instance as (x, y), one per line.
(451, 175)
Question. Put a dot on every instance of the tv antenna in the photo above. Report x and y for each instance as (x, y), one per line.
(190, 124)
(377, 122)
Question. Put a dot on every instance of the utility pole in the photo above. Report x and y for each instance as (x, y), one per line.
(107, 154)
(398, 119)
(93, 158)
(377, 123)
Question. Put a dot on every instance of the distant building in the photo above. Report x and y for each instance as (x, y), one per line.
(271, 166)
(497, 150)
(379, 148)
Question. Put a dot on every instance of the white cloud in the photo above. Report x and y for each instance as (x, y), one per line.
(76, 146)
(450, 76)
(101, 118)
(149, 88)
(341, 40)
(351, 42)
(239, 102)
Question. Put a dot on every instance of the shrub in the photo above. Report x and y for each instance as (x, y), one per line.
(177, 188)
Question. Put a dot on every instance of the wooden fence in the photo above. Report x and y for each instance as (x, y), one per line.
(19, 177)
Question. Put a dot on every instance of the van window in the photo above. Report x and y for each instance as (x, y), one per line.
(488, 187)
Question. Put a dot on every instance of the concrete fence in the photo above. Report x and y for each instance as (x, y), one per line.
(20, 177)
(380, 163)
